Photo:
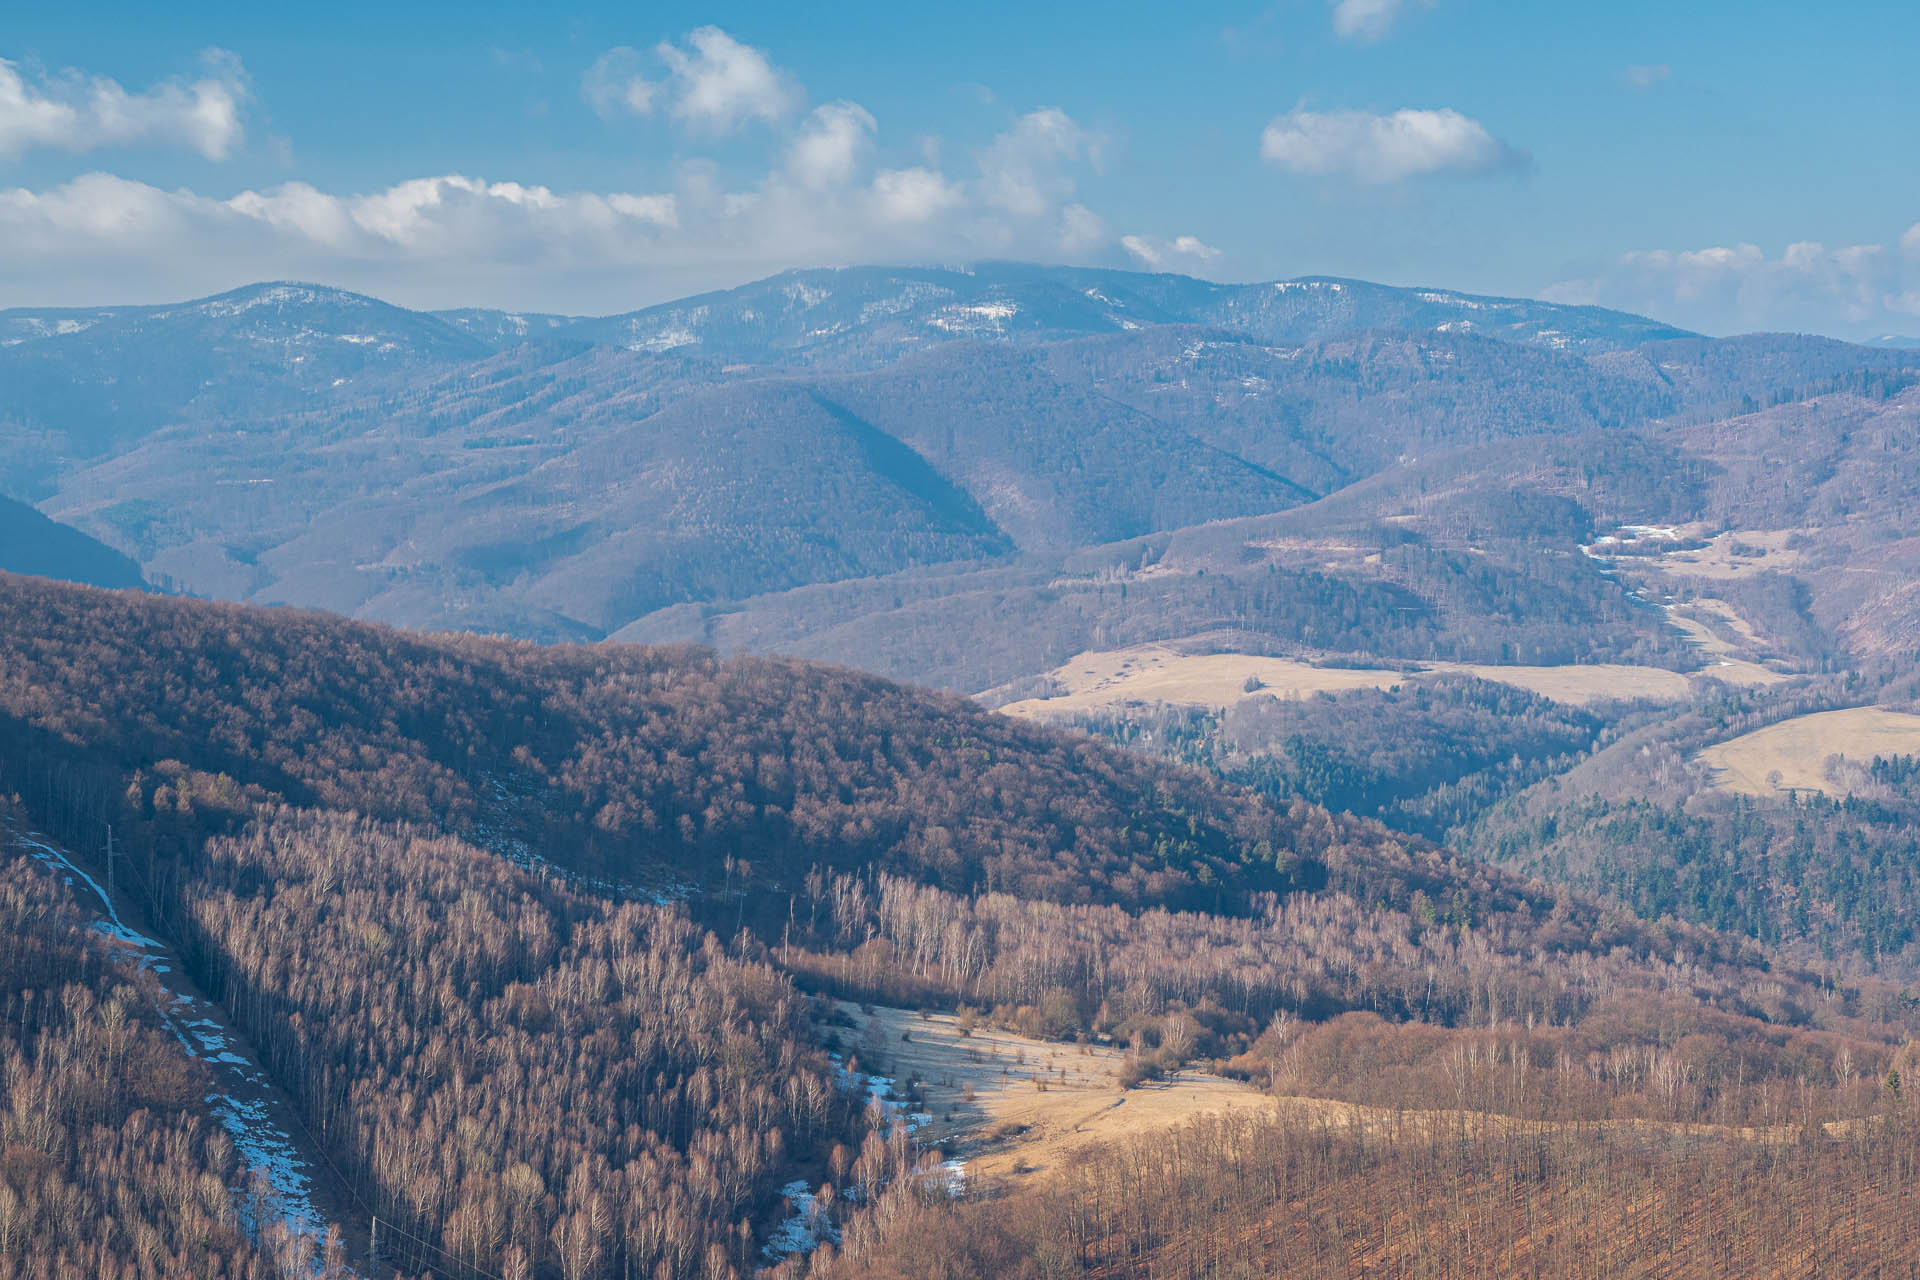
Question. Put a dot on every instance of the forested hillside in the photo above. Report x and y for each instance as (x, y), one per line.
(612, 761)
(541, 947)
(1399, 1196)
(1830, 878)
(423, 876)
(670, 771)
(1424, 758)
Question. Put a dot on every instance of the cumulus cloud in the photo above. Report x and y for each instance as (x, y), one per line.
(722, 83)
(831, 144)
(913, 196)
(1183, 252)
(1027, 169)
(712, 82)
(455, 239)
(1370, 19)
(1649, 76)
(1855, 290)
(77, 112)
(1373, 148)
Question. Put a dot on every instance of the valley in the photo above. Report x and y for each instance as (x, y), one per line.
(990, 642)
(1210, 761)
(294, 1203)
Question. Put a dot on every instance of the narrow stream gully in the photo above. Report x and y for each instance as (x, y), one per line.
(306, 1196)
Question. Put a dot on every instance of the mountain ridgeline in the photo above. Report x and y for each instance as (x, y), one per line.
(680, 471)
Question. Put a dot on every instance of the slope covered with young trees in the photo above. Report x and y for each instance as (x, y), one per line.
(617, 761)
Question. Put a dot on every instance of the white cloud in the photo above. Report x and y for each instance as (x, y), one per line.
(459, 239)
(456, 239)
(1024, 170)
(722, 84)
(1082, 231)
(614, 85)
(1857, 290)
(911, 196)
(75, 112)
(713, 83)
(1384, 148)
(1369, 19)
(831, 144)
(1649, 76)
(1183, 252)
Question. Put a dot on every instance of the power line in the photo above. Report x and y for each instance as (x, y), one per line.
(292, 1110)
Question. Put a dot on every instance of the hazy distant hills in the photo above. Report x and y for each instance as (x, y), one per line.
(863, 316)
(884, 441)
(95, 382)
(32, 544)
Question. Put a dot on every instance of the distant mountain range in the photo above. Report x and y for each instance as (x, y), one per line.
(838, 462)
(867, 316)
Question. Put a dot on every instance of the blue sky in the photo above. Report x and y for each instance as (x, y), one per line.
(1726, 166)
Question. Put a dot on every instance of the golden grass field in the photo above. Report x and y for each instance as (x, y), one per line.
(1012, 1126)
(1160, 673)
(984, 1093)
(1797, 749)
(1717, 560)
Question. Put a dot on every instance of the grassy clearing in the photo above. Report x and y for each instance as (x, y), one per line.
(1737, 553)
(1160, 673)
(1792, 755)
(1726, 663)
(1013, 1107)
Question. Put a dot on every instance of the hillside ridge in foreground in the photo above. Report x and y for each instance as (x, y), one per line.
(499, 918)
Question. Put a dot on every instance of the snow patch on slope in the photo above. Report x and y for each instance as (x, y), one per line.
(265, 1147)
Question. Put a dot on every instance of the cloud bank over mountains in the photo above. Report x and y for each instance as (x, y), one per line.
(1861, 289)
(825, 197)
(833, 190)
(766, 176)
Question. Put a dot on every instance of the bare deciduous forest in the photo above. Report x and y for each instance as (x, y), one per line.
(1234, 1196)
(111, 1164)
(534, 940)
